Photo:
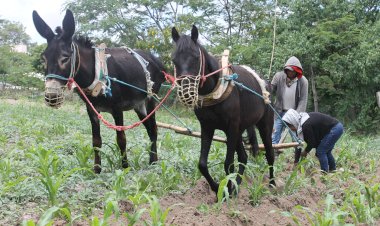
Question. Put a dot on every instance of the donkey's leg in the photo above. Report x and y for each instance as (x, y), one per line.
(265, 126)
(120, 137)
(253, 140)
(242, 158)
(151, 128)
(96, 138)
(206, 139)
(233, 137)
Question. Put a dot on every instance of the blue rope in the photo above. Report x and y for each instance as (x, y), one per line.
(56, 76)
(274, 110)
(166, 108)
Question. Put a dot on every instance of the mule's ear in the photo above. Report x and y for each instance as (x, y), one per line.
(68, 25)
(194, 33)
(175, 34)
(43, 29)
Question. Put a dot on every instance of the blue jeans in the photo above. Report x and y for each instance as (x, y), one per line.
(278, 128)
(324, 149)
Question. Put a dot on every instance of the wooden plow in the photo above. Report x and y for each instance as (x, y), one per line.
(184, 131)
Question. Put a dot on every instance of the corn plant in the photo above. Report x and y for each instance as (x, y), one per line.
(257, 188)
(47, 217)
(51, 176)
(134, 217)
(119, 190)
(223, 193)
(82, 155)
(330, 216)
(296, 179)
(157, 215)
(110, 208)
(365, 208)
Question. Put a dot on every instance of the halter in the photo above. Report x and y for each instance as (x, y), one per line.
(188, 94)
(188, 85)
(73, 70)
(54, 96)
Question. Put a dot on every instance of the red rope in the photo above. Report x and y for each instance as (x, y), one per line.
(121, 128)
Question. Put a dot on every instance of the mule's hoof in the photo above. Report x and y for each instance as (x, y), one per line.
(272, 184)
(124, 164)
(97, 169)
(153, 161)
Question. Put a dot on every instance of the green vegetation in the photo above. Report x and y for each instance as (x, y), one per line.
(46, 173)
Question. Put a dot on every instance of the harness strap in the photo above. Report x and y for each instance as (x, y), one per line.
(144, 64)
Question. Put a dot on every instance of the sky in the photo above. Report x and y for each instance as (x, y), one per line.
(21, 11)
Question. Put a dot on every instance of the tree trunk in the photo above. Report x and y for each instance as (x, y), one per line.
(314, 90)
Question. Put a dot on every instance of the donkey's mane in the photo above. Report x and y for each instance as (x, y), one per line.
(83, 41)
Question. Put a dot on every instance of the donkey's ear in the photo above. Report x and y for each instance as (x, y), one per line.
(68, 25)
(175, 34)
(194, 33)
(43, 29)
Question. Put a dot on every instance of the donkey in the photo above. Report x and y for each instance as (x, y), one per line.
(68, 56)
(238, 111)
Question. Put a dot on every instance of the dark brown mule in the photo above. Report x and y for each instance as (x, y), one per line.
(67, 56)
(241, 110)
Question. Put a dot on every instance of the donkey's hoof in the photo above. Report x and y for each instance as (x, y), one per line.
(97, 169)
(272, 184)
(124, 164)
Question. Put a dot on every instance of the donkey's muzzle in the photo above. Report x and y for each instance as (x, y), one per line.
(187, 90)
(54, 97)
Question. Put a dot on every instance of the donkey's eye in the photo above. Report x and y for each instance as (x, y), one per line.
(65, 60)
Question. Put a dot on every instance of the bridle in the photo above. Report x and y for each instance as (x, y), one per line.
(74, 67)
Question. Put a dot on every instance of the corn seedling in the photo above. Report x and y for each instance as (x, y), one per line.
(329, 217)
(158, 216)
(257, 188)
(223, 194)
(135, 217)
(296, 179)
(365, 208)
(110, 208)
(51, 176)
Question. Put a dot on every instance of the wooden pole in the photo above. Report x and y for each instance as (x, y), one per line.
(184, 131)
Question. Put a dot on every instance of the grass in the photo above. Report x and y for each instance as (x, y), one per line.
(46, 161)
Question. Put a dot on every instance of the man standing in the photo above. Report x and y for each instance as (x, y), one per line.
(290, 88)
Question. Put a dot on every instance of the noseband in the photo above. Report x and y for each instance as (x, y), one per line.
(54, 96)
(188, 85)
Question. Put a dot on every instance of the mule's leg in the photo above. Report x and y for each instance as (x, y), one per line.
(120, 137)
(253, 141)
(96, 139)
(265, 127)
(233, 137)
(242, 158)
(206, 139)
(151, 128)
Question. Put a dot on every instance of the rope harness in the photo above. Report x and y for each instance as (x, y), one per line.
(54, 96)
(71, 82)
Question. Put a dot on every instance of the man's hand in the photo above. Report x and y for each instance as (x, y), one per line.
(303, 154)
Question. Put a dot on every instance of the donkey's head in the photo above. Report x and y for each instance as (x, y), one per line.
(59, 57)
(189, 64)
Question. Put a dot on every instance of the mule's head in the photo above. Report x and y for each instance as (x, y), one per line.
(58, 57)
(187, 54)
(188, 63)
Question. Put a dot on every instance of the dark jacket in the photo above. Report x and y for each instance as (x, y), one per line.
(316, 128)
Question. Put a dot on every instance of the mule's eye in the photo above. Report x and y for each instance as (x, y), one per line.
(65, 60)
